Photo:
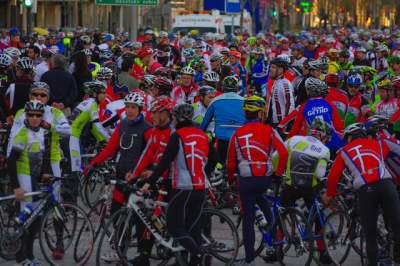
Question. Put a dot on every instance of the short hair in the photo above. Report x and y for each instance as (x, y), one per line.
(35, 49)
(127, 63)
(59, 61)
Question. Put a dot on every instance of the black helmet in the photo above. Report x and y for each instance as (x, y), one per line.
(183, 112)
(230, 83)
(94, 86)
(205, 90)
(280, 62)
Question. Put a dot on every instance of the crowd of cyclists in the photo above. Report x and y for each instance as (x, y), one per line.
(295, 107)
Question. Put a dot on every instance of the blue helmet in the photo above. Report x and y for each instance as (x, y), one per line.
(354, 80)
(108, 37)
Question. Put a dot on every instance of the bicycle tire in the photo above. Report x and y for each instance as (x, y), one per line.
(217, 248)
(296, 222)
(329, 236)
(87, 248)
(89, 186)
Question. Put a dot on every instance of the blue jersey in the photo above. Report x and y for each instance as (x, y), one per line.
(259, 72)
(227, 112)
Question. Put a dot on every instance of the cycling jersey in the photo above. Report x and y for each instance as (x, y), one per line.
(338, 98)
(156, 144)
(84, 113)
(259, 72)
(282, 99)
(387, 108)
(240, 72)
(364, 158)
(182, 94)
(307, 161)
(250, 151)
(227, 112)
(357, 109)
(393, 159)
(186, 154)
(313, 108)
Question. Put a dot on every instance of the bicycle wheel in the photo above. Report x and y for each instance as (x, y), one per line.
(60, 227)
(336, 236)
(219, 235)
(93, 187)
(294, 235)
(117, 238)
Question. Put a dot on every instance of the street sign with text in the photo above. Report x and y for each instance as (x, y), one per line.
(127, 2)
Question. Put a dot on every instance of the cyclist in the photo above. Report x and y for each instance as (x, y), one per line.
(281, 94)
(311, 68)
(308, 157)
(365, 158)
(86, 112)
(250, 153)
(238, 70)
(129, 139)
(259, 70)
(188, 176)
(388, 105)
(28, 163)
(187, 91)
(358, 104)
(318, 107)
(206, 95)
(159, 137)
(336, 96)
(227, 112)
(211, 78)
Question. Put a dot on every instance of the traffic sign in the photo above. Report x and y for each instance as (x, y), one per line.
(232, 6)
(127, 2)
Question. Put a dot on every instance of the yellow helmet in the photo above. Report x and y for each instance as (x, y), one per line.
(254, 103)
(385, 84)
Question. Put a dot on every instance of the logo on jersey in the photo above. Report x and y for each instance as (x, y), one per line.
(317, 110)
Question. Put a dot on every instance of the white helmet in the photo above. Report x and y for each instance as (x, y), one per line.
(5, 60)
(188, 71)
(136, 98)
(211, 76)
(13, 52)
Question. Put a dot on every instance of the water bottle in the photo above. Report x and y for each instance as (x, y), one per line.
(24, 214)
(260, 218)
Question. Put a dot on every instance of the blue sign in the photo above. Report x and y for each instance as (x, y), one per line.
(232, 6)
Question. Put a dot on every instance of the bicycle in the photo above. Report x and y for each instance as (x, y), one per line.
(59, 224)
(287, 231)
(119, 231)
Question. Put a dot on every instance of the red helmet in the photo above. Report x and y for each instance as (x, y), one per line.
(162, 103)
(145, 52)
(332, 80)
(164, 85)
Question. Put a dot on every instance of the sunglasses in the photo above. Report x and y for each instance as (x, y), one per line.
(34, 94)
(35, 115)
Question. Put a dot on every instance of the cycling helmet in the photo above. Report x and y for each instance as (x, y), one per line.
(211, 76)
(230, 83)
(94, 86)
(34, 105)
(385, 84)
(128, 45)
(198, 63)
(382, 48)
(136, 45)
(298, 46)
(85, 39)
(344, 53)
(311, 64)
(108, 37)
(5, 60)
(136, 98)
(183, 112)
(188, 71)
(162, 103)
(163, 72)
(148, 80)
(216, 57)
(332, 80)
(316, 87)
(375, 123)
(356, 130)
(354, 80)
(105, 74)
(324, 62)
(106, 54)
(254, 104)
(280, 62)
(87, 52)
(320, 130)
(40, 85)
(189, 53)
(13, 52)
(251, 41)
(164, 85)
(25, 63)
(206, 90)
(368, 70)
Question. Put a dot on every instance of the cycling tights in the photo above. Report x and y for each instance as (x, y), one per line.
(371, 198)
(251, 191)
